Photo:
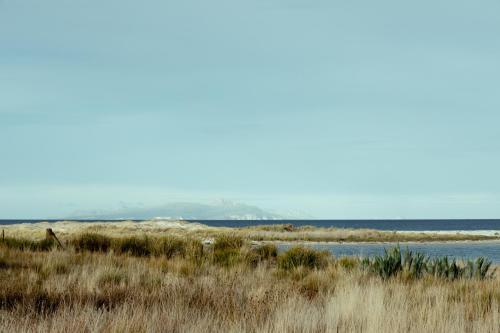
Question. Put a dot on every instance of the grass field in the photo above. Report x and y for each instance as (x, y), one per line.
(176, 284)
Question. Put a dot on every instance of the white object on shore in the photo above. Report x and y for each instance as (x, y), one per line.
(208, 241)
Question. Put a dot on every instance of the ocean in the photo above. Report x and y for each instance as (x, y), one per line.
(397, 225)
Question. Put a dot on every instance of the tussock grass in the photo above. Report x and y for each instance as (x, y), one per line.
(226, 250)
(266, 251)
(348, 263)
(303, 257)
(260, 254)
(194, 250)
(170, 247)
(228, 242)
(179, 287)
(28, 244)
(91, 242)
(135, 246)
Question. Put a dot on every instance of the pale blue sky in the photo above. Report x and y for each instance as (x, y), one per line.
(341, 109)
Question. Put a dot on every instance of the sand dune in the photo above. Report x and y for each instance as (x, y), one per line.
(279, 232)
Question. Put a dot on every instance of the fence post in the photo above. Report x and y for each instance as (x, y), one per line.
(49, 234)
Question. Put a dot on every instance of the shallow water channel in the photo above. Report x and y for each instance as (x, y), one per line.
(458, 250)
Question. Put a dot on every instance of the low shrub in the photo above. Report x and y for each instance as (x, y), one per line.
(302, 257)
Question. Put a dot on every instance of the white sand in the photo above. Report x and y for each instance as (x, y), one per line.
(455, 232)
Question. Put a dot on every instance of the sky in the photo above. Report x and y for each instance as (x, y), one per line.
(338, 109)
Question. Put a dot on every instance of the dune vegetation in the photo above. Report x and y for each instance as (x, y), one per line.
(273, 232)
(98, 283)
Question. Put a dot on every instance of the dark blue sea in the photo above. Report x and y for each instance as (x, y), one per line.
(402, 225)
(459, 250)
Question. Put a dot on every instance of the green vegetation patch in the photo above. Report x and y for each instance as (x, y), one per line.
(170, 247)
(92, 242)
(135, 246)
(227, 250)
(228, 242)
(303, 257)
(27, 244)
(261, 253)
(395, 262)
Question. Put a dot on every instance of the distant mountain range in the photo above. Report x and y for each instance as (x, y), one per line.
(221, 210)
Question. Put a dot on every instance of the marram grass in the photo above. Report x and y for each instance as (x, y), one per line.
(170, 284)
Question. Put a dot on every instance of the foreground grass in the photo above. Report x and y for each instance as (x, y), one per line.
(101, 284)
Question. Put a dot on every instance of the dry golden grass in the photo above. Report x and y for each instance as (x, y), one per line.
(69, 291)
(286, 233)
(312, 234)
(65, 229)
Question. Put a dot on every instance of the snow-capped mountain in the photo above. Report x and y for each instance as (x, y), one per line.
(220, 210)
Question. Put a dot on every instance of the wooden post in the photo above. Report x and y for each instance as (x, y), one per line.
(3, 236)
(49, 234)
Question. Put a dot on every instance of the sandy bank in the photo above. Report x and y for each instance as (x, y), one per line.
(118, 228)
(491, 233)
(276, 233)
